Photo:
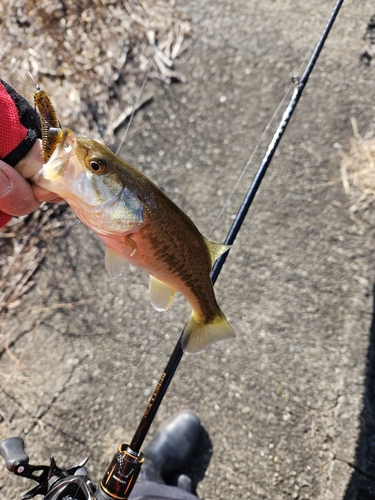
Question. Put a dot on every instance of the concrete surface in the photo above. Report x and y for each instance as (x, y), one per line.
(289, 404)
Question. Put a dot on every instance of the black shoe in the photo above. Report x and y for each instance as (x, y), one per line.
(170, 448)
(185, 483)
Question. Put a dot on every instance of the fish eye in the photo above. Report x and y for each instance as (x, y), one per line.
(97, 165)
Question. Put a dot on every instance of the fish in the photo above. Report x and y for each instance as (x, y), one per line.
(138, 223)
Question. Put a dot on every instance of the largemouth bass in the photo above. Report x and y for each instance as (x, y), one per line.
(137, 222)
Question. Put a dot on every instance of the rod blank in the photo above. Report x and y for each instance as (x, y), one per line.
(176, 356)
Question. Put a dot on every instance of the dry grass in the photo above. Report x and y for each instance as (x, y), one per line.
(358, 170)
(23, 246)
(92, 57)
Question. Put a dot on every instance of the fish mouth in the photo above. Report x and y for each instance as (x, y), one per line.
(57, 164)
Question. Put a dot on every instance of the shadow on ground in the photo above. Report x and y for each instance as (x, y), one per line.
(362, 482)
(198, 464)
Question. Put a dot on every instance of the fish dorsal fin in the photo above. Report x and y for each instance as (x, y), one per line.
(161, 295)
(115, 263)
(216, 249)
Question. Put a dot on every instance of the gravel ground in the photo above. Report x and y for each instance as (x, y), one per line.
(288, 405)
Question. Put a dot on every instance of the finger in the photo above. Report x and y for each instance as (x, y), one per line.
(16, 194)
(4, 218)
(41, 194)
(32, 162)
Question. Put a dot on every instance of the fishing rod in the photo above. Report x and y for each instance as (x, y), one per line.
(122, 473)
(109, 483)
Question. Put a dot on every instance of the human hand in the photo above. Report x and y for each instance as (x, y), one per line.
(20, 148)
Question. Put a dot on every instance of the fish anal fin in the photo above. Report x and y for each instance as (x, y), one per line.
(161, 295)
(115, 263)
(216, 249)
(197, 335)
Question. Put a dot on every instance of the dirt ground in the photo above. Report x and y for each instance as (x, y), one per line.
(288, 406)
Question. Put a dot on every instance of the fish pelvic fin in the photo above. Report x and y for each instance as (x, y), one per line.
(216, 249)
(115, 263)
(197, 335)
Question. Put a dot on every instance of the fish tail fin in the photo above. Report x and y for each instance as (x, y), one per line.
(197, 335)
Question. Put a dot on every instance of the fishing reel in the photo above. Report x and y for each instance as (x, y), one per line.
(73, 483)
(54, 483)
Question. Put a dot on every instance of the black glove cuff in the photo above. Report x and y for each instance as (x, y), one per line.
(22, 149)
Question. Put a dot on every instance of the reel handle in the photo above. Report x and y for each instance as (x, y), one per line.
(13, 452)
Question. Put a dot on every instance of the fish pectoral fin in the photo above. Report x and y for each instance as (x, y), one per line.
(198, 335)
(130, 243)
(115, 263)
(216, 249)
(161, 295)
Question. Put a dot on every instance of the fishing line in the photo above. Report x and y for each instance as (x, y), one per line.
(135, 107)
(249, 161)
(131, 373)
(299, 85)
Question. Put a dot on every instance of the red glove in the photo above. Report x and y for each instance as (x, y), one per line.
(19, 129)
